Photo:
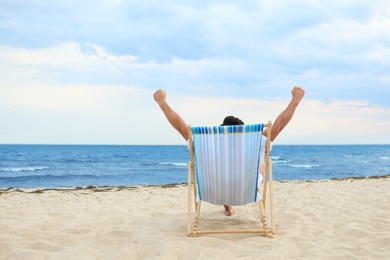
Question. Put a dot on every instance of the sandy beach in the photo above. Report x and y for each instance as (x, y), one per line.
(330, 219)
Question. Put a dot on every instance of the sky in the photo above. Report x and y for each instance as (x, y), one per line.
(84, 72)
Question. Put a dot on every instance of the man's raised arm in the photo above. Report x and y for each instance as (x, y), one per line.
(174, 118)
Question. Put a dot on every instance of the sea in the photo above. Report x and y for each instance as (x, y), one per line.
(66, 166)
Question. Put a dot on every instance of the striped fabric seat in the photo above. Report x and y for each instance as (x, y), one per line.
(227, 162)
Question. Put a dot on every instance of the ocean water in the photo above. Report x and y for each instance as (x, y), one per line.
(54, 166)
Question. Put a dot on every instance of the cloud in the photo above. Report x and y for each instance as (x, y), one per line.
(315, 122)
(128, 115)
(344, 121)
(67, 53)
(97, 65)
(84, 114)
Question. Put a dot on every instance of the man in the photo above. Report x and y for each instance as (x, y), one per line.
(278, 125)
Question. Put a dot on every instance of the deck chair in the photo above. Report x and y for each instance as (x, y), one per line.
(224, 170)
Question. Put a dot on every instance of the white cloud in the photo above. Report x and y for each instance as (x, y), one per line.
(97, 65)
(67, 53)
(315, 122)
(128, 115)
(74, 114)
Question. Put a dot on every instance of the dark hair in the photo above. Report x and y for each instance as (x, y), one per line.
(232, 120)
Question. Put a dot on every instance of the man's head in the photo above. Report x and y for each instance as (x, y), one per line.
(232, 120)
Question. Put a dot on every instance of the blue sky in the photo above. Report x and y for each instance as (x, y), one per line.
(83, 72)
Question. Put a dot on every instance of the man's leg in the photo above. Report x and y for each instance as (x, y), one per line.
(228, 210)
(284, 118)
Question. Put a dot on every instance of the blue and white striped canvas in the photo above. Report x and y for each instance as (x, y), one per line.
(227, 163)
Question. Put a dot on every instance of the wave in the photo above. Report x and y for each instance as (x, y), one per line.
(278, 159)
(303, 165)
(121, 156)
(23, 179)
(281, 161)
(179, 164)
(79, 160)
(24, 169)
(53, 181)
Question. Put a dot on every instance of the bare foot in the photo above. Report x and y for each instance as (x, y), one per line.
(228, 210)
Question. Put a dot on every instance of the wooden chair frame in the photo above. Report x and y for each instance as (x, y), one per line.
(193, 224)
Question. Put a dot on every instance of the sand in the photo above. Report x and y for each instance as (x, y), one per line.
(330, 219)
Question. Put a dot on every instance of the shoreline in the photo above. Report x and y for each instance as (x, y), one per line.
(164, 186)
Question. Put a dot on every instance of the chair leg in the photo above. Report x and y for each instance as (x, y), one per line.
(197, 216)
(271, 197)
(194, 185)
(189, 217)
(265, 181)
(264, 219)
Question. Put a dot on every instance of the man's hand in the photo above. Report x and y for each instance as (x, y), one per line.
(160, 96)
(297, 93)
(174, 118)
